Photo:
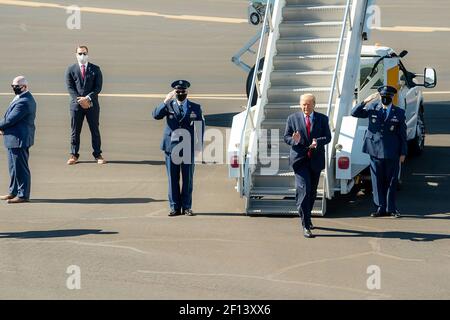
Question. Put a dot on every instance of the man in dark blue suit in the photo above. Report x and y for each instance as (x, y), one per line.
(17, 128)
(385, 142)
(307, 132)
(84, 82)
(182, 143)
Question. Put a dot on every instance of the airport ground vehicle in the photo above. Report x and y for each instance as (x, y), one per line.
(315, 46)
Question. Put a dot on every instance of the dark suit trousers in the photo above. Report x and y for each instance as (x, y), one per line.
(384, 176)
(180, 200)
(19, 172)
(306, 182)
(77, 117)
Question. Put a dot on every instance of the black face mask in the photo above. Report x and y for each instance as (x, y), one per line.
(386, 100)
(181, 96)
(17, 89)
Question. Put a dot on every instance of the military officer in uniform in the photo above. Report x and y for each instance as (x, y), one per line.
(182, 143)
(385, 142)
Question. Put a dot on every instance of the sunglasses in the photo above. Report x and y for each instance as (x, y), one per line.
(15, 86)
(180, 91)
(82, 53)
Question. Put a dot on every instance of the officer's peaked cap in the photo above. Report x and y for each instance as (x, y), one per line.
(387, 91)
(180, 84)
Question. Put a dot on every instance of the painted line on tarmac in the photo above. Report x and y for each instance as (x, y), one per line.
(436, 92)
(221, 96)
(33, 4)
(209, 96)
(412, 29)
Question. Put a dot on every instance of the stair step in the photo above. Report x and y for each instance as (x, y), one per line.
(277, 120)
(304, 61)
(271, 191)
(293, 107)
(279, 174)
(311, 46)
(264, 191)
(307, 45)
(298, 12)
(284, 180)
(291, 94)
(311, 78)
(316, 2)
(279, 207)
(310, 28)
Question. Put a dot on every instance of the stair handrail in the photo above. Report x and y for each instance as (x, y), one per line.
(333, 86)
(255, 84)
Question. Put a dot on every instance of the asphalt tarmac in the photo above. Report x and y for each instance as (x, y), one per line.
(111, 221)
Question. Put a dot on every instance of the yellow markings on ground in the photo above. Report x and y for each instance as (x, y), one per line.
(413, 29)
(33, 4)
(219, 96)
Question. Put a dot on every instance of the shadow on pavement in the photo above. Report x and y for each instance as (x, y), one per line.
(98, 201)
(145, 162)
(220, 119)
(218, 214)
(412, 236)
(52, 233)
(437, 117)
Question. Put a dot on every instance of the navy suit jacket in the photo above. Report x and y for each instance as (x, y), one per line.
(192, 113)
(91, 86)
(320, 130)
(383, 139)
(18, 123)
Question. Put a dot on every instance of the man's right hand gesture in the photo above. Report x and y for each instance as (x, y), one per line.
(169, 96)
(296, 136)
(372, 97)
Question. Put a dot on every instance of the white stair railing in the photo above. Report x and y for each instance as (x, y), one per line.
(344, 78)
(253, 116)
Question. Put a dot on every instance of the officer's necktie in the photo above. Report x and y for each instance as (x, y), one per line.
(308, 131)
(181, 111)
(384, 114)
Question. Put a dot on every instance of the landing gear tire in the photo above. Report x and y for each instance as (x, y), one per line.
(417, 145)
(255, 19)
(250, 78)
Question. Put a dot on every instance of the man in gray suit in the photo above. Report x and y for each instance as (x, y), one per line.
(17, 128)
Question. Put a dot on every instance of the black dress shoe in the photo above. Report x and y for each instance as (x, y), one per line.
(395, 214)
(174, 213)
(311, 227)
(307, 233)
(188, 212)
(377, 214)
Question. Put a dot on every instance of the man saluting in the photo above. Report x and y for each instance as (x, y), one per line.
(182, 139)
(385, 142)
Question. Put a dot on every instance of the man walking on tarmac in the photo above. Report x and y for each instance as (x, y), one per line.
(385, 142)
(307, 132)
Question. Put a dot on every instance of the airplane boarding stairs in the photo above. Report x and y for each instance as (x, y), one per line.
(311, 37)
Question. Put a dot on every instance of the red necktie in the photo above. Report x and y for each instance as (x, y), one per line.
(308, 131)
(308, 126)
(83, 71)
